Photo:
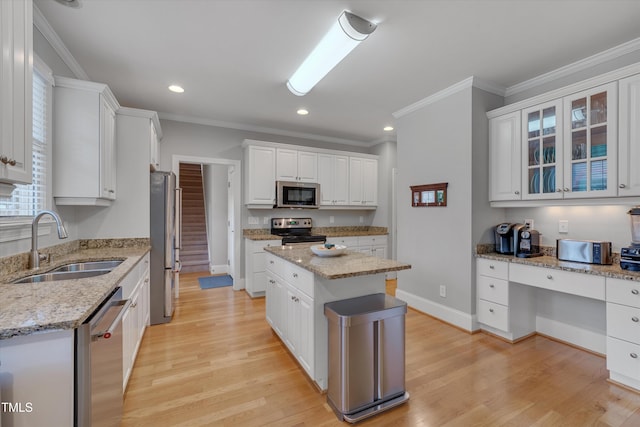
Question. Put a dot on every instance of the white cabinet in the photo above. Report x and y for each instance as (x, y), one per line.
(369, 245)
(290, 309)
(260, 176)
(629, 137)
(135, 287)
(503, 309)
(154, 146)
(623, 331)
(505, 157)
(333, 177)
(84, 171)
(36, 372)
(294, 165)
(363, 181)
(255, 265)
(16, 40)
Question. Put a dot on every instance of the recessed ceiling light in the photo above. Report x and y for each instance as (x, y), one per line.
(176, 89)
(70, 3)
(303, 112)
(388, 128)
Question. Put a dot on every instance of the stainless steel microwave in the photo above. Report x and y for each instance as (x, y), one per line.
(292, 194)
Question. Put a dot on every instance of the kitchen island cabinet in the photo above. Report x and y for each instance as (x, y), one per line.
(300, 283)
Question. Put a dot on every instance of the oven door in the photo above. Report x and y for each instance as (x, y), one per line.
(291, 194)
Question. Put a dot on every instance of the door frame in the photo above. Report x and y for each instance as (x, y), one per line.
(176, 159)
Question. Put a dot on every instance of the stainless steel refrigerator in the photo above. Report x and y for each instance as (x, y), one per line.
(165, 239)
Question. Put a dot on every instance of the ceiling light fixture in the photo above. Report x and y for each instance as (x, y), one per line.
(70, 3)
(348, 31)
(387, 128)
(176, 89)
(303, 112)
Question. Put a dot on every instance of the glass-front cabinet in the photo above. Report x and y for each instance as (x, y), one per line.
(542, 151)
(590, 151)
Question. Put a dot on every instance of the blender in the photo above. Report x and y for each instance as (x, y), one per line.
(630, 256)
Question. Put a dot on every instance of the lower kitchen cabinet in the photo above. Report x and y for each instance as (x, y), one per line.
(255, 270)
(623, 331)
(290, 309)
(370, 245)
(135, 320)
(36, 377)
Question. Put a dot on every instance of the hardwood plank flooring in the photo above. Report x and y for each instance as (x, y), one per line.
(219, 364)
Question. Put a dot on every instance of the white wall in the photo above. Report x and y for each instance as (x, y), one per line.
(215, 189)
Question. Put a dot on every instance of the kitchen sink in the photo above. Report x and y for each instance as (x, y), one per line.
(90, 265)
(76, 270)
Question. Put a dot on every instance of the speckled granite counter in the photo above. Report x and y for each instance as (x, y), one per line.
(265, 233)
(32, 307)
(349, 264)
(549, 261)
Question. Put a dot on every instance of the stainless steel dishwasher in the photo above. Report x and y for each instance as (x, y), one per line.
(98, 365)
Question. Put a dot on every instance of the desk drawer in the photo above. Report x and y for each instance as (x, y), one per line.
(494, 290)
(494, 315)
(625, 292)
(584, 285)
(491, 268)
(623, 358)
(623, 322)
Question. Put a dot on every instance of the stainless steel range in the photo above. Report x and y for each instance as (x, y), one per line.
(295, 231)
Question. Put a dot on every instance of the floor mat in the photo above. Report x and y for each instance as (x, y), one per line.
(215, 281)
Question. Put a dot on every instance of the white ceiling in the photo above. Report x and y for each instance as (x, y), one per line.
(233, 57)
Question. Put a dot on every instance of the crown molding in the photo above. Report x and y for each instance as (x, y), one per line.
(259, 129)
(56, 43)
(445, 93)
(581, 65)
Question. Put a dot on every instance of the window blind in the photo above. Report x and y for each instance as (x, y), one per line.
(27, 200)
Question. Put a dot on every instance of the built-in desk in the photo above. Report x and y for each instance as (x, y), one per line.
(590, 306)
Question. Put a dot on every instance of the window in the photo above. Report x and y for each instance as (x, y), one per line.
(27, 200)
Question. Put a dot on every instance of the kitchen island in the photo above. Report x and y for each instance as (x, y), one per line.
(300, 283)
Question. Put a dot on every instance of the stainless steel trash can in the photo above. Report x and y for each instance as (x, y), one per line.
(366, 355)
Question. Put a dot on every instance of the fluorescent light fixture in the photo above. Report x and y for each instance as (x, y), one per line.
(388, 128)
(303, 112)
(176, 89)
(348, 31)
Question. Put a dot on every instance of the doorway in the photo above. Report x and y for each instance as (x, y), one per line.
(232, 199)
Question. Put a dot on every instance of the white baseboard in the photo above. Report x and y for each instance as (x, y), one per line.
(238, 285)
(452, 316)
(219, 269)
(584, 338)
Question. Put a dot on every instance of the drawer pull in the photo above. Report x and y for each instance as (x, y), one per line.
(635, 292)
(295, 275)
(492, 267)
(491, 310)
(635, 319)
(549, 276)
(492, 286)
(633, 355)
(271, 262)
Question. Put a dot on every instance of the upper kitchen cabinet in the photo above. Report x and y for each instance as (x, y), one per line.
(542, 159)
(333, 175)
(363, 181)
(16, 38)
(591, 143)
(136, 126)
(629, 137)
(260, 176)
(84, 149)
(294, 165)
(504, 157)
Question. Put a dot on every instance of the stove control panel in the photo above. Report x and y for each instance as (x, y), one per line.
(284, 223)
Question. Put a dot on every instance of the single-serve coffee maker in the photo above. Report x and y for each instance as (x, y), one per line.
(526, 242)
(504, 238)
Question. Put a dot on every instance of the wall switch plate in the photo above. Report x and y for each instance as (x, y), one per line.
(563, 226)
(265, 220)
(332, 219)
(443, 291)
(530, 223)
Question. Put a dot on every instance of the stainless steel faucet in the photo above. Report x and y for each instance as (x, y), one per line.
(35, 257)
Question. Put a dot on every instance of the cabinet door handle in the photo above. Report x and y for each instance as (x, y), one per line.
(492, 267)
(549, 276)
(295, 275)
(622, 186)
(293, 298)
(633, 355)
(491, 310)
(516, 192)
(271, 262)
(6, 160)
(567, 189)
(635, 319)
(635, 292)
(492, 286)
(559, 190)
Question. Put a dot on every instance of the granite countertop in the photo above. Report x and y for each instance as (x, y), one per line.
(265, 233)
(28, 308)
(349, 264)
(551, 261)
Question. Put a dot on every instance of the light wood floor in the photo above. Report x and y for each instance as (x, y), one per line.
(219, 364)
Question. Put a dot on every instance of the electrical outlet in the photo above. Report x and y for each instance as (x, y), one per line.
(530, 223)
(443, 291)
(332, 219)
(563, 226)
(361, 219)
